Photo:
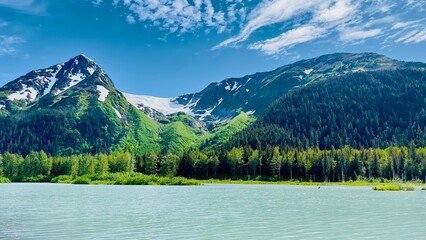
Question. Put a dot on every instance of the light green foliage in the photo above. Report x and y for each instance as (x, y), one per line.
(169, 164)
(87, 164)
(121, 162)
(276, 161)
(81, 180)
(103, 166)
(36, 163)
(200, 162)
(151, 162)
(12, 165)
(222, 133)
(74, 160)
(394, 187)
(235, 159)
(143, 135)
(254, 161)
(177, 137)
(125, 179)
(180, 133)
(4, 180)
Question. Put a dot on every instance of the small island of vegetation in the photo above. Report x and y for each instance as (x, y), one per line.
(395, 187)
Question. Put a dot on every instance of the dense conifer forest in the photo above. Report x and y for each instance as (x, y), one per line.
(361, 110)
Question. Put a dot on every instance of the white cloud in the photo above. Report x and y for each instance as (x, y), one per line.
(416, 4)
(175, 15)
(400, 25)
(289, 39)
(413, 37)
(268, 13)
(130, 19)
(321, 13)
(8, 44)
(350, 35)
(333, 11)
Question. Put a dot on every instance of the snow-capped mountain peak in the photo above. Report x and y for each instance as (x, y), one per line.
(54, 80)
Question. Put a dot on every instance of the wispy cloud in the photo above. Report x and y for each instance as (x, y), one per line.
(350, 35)
(289, 39)
(347, 21)
(97, 2)
(317, 13)
(289, 22)
(8, 44)
(26, 6)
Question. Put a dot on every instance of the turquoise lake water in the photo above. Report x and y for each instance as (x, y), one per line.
(59, 211)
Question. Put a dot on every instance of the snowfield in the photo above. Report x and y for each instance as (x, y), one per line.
(27, 93)
(308, 71)
(103, 93)
(165, 106)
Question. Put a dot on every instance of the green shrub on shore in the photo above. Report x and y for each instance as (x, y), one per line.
(125, 179)
(38, 178)
(62, 179)
(4, 179)
(142, 179)
(394, 187)
(424, 188)
(81, 180)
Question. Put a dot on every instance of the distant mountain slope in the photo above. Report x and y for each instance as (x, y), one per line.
(332, 100)
(364, 109)
(254, 93)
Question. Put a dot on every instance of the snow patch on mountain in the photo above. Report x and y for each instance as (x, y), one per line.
(2, 106)
(209, 111)
(27, 93)
(52, 79)
(103, 93)
(117, 112)
(206, 113)
(233, 88)
(91, 70)
(249, 113)
(165, 106)
(75, 79)
(308, 71)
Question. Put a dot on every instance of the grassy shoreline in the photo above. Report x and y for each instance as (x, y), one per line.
(133, 178)
(372, 183)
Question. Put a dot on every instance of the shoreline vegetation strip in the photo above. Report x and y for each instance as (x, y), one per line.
(142, 179)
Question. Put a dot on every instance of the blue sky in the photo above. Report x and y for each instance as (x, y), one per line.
(170, 47)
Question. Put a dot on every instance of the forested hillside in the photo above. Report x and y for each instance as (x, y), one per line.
(362, 110)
